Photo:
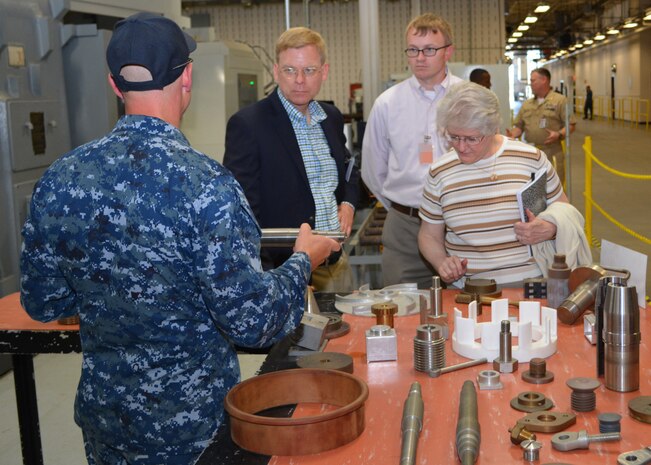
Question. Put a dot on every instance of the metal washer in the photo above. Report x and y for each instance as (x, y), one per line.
(327, 361)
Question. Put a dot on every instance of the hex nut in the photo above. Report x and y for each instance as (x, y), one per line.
(509, 366)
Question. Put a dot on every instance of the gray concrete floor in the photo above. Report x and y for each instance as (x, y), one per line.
(621, 147)
(625, 149)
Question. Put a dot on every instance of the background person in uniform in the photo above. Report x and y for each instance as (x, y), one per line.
(288, 152)
(401, 142)
(481, 76)
(154, 246)
(587, 107)
(471, 223)
(542, 120)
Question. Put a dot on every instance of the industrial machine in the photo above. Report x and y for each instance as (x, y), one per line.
(33, 114)
(226, 77)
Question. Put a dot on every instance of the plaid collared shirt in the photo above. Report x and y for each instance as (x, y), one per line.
(321, 168)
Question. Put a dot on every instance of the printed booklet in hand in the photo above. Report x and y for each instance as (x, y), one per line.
(533, 195)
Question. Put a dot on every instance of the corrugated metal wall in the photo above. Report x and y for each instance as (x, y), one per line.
(478, 27)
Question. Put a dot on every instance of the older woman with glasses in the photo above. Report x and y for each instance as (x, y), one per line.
(471, 223)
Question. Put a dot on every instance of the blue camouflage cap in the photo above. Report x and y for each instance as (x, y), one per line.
(152, 41)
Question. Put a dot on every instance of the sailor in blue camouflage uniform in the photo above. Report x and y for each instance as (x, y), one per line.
(154, 245)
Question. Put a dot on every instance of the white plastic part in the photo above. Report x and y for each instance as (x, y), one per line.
(535, 329)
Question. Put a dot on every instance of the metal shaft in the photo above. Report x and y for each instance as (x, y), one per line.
(468, 434)
(285, 237)
(412, 424)
(459, 366)
(436, 299)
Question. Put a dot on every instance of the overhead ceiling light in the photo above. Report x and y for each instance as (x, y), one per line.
(571, 48)
(578, 45)
(517, 34)
(512, 40)
(523, 27)
(588, 41)
(612, 31)
(599, 36)
(630, 25)
(542, 8)
(647, 16)
(530, 19)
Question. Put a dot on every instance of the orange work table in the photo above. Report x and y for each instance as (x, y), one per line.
(389, 383)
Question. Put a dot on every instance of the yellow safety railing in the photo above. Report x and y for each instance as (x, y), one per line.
(624, 110)
(589, 200)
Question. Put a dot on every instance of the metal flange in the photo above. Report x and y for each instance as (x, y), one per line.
(548, 422)
(531, 401)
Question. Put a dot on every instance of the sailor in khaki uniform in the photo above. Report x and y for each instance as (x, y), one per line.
(542, 119)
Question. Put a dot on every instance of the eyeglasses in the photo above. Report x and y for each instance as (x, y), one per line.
(413, 52)
(470, 140)
(184, 64)
(290, 72)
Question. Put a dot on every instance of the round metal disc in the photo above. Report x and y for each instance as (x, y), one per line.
(335, 332)
(327, 361)
(480, 286)
(640, 408)
(336, 327)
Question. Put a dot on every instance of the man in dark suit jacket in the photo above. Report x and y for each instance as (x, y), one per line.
(288, 152)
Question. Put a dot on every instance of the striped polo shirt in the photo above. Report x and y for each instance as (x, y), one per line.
(479, 213)
(320, 167)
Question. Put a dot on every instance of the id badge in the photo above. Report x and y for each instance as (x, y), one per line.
(543, 123)
(426, 153)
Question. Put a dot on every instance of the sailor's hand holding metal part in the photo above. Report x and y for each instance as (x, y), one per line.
(412, 424)
(317, 247)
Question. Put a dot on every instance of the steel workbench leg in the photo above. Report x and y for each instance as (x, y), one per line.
(30, 433)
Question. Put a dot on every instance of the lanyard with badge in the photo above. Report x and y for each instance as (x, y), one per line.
(425, 148)
(426, 151)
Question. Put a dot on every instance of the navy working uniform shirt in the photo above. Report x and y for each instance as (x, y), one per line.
(154, 245)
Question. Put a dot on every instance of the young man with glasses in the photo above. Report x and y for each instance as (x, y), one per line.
(401, 142)
(288, 152)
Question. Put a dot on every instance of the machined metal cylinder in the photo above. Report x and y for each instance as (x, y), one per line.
(286, 237)
(468, 435)
(429, 348)
(621, 336)
(505, 341)
(599, 304)
(578, 302)
(384, 313)
(436, 298)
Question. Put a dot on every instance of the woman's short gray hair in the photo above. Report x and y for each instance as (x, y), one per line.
(469, 106)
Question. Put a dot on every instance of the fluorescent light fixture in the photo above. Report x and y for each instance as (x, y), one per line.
(599, 36)
(571, 48)
(523, 27)
(630, 25)
(647, 16)
(517, 34)
(512, 40)
(530, 19)
(588, 42)
(542, 8)
(578, 45)
(612, 31)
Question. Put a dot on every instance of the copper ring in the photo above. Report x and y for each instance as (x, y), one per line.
(317, 433)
